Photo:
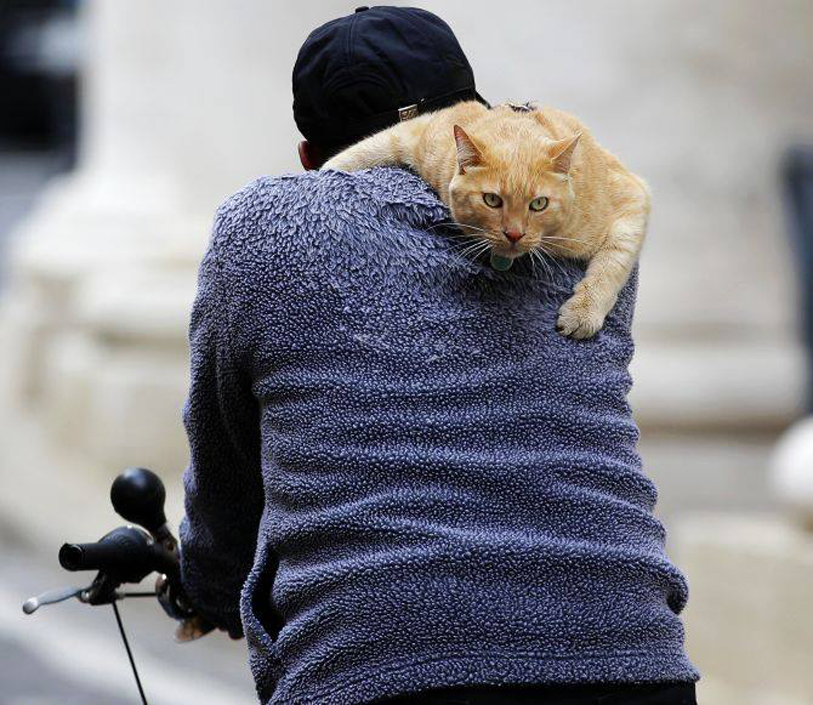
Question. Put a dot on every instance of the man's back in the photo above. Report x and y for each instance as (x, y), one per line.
(446, 491)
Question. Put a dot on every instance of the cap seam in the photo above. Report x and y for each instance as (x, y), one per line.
(349, 45)
(440, 58)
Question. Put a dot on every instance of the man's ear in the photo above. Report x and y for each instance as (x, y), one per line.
(467, 152)
(562, 152)
(310, 155)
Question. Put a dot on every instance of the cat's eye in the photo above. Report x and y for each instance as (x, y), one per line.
(492, 199)
(538, 204)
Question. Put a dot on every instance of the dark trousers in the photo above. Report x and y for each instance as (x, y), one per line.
(650, 694)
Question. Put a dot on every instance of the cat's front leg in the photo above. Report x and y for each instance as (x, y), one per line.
(583, 314)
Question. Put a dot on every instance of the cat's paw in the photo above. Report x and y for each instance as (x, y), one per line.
(579, 318)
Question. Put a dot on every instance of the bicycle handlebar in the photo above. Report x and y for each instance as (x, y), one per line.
(128, 553)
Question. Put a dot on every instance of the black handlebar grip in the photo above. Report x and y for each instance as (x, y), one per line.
(87, 556)
(127, 553)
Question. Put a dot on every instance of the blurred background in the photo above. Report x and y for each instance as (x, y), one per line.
(124, 125)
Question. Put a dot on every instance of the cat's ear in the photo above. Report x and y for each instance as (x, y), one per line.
(562, 151)
(467, 152)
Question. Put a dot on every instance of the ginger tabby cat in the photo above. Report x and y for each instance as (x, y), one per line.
(525, 180)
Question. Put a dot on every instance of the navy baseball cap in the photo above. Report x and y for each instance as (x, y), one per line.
(358, 74)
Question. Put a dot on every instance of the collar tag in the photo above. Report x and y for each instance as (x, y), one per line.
(526, 107)
(407, 113)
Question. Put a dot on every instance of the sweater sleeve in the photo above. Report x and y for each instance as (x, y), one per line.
(223, 486)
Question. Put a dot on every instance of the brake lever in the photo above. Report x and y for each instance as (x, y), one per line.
(50, 597)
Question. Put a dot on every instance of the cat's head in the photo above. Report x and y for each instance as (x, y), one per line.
(512, 187)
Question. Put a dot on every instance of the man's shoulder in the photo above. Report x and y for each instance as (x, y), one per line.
(274, 222)
(293, 199)
(264, 195)
(253, 215)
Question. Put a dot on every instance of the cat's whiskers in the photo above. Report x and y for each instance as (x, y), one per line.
(469, 241)
(476, 249)
(556, 237)
(451, 223)
(550, 238)
(461, 240)
(546, 255)
(484, 231)
(468, 252)
(533, 262)
(465, 243)
(472, 227)
(446, 225)
(473, 252)
(536, 255)
(462, 245)
(544, 252)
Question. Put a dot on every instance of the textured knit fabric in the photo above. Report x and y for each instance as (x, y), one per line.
(402, 476)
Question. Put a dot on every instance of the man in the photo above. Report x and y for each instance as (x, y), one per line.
(404, 485)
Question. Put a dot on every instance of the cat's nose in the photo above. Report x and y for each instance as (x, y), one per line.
(513, 235)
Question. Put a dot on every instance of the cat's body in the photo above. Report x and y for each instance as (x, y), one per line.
(525, 181)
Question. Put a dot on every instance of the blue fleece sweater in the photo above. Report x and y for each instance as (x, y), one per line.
(402, 476)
